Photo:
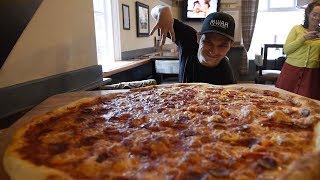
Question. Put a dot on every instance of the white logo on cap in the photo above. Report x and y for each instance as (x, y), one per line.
(219, 23)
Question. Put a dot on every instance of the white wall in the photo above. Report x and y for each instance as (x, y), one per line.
(129, 39)
(59, 38)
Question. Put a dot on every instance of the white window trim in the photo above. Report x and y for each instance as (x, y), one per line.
(109, 31)
(293, 8)
(116, 29)
(112, 43)
(272, 37)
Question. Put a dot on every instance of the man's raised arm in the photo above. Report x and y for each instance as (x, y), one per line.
(163, 16)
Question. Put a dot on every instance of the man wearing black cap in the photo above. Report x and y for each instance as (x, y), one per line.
(202, 55)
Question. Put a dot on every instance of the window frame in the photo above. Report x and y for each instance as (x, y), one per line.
(260, 37)
(269, 9)
(112, 44)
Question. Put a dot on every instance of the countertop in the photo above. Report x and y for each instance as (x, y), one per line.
(166, 54)
(144, 59)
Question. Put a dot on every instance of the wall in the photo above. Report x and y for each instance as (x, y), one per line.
(131, 43)
(59, 38)
(233, 7)
(13, 22)
(55, 43)
(129, 39)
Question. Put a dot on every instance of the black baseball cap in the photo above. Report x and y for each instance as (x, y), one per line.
(219, 22)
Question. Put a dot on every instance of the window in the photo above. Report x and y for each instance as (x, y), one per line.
(283, 4)
(107, 32)
(274, 21)
(277, 5)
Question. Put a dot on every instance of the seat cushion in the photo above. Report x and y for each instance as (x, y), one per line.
(129, 85)
(269, 75)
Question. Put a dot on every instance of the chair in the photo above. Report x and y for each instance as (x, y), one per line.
(265, 75)
(129, 85)
(168, 68)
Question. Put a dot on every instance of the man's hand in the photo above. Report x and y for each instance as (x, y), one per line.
(164, 18)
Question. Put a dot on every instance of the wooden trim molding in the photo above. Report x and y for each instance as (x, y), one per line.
(127, 66)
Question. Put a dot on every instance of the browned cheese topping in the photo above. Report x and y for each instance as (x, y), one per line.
(174, 132)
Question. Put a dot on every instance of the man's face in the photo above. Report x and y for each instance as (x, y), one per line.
(213, 47)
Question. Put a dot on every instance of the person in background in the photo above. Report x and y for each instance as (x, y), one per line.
(201, 7)
(205, 5)
(300, 73)
(196, 7)
(202, 55)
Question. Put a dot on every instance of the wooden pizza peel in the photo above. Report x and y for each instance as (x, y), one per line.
(47, 105)
(59, 100)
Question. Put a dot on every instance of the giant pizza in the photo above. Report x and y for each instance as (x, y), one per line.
(179, 131)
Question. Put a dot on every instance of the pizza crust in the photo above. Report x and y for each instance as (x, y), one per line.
(317, 138)
(18, 168)
(306, 168)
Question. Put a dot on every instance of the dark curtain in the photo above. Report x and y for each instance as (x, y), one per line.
(249, 10)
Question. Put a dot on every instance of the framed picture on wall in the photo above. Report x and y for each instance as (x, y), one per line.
(126, 17)
(142, 18)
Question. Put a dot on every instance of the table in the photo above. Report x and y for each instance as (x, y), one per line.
(165, 63)
(265, 52)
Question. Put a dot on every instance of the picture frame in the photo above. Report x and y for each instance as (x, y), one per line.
(125, 17)
(142, 19)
